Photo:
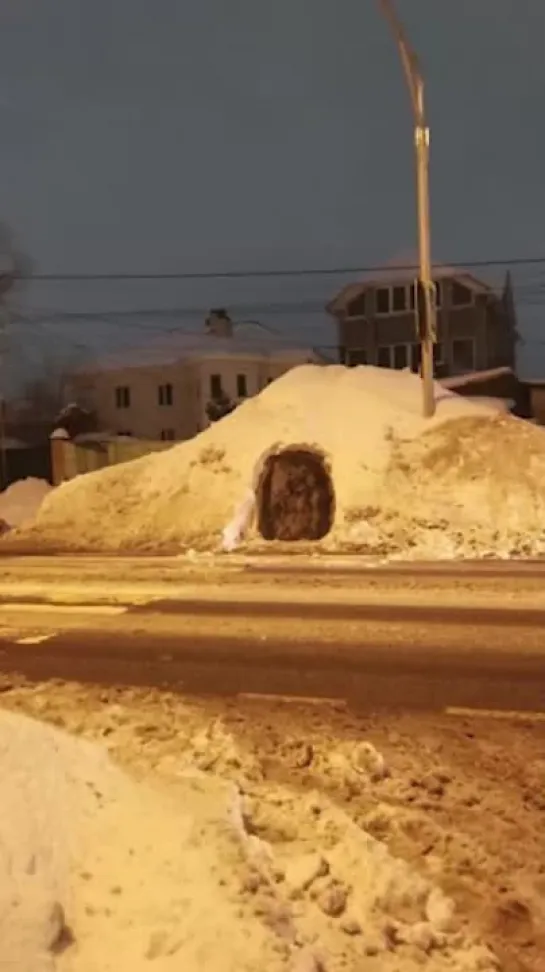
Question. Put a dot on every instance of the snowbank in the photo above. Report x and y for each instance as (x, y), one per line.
(101, 872)
(98, 871)
(471, 481)
(21, 501)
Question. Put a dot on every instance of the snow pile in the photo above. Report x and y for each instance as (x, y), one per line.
(322, 880)
(21, 501)
(471, 481)
(98, 871)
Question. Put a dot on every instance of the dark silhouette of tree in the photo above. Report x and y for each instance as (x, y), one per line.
(75, 420)
(15, 266)
(220, 406)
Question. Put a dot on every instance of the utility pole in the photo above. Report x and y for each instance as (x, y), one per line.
(425, 300)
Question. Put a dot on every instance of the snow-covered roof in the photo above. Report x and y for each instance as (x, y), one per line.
(474, 377)
(248, 340)
(401, 275)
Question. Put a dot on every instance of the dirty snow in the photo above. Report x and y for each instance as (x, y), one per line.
(469, 482)
(101, 870)
(21, 501)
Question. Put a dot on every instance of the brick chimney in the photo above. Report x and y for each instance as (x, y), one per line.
(219, 324)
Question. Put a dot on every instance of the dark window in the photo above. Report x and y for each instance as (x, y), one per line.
(399, 299)
(382, 298)
(401, 357)
(125, 432)
(166, 395)
(416, 357)
(463, 355)
(167, 435)
(242, 386)
(384, 357)
(412, 289)
(122, 397)
(438, 294)
(461, 296)
(356, 356)
(216, 388)
(438, 353)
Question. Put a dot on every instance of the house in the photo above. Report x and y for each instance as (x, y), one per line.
(173, 389)
(476, 326)
(536, 393)
(499, 385)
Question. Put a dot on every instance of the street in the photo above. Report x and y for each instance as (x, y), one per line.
(435, 638)
(275, 674)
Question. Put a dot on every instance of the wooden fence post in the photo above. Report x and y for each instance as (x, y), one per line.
(60, 443)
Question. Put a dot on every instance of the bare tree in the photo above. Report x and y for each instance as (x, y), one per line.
(16, 267)
(220, 406)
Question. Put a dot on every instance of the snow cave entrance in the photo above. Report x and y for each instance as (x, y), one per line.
(295, 496)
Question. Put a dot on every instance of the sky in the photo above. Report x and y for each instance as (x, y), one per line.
(204, 136)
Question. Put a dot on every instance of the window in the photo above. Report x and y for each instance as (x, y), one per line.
(122, 397)
(382, 298)
(463, 355)
(166, 395)
(242, 386)
(167, 435)
(394, 300)
(399, 299)
(401, 356)
(356, 356)
(216, 388)
(460, 296)
(415, 356)
(438, 294)
(125, 432)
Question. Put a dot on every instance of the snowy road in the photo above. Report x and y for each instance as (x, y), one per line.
(431, 639)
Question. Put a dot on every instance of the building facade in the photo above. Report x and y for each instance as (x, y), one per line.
(164, 392)
(476, 327)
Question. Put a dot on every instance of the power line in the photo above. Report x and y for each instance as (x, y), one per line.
(525, 297)
(254, 274)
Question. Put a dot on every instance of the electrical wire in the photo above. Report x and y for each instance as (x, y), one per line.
(252, 274)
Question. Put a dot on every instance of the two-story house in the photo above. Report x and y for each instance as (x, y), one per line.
(476, 326)
(164, 391)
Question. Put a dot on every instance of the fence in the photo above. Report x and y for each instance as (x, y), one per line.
(71, 458)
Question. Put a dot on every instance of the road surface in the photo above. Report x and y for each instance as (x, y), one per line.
(432, 638)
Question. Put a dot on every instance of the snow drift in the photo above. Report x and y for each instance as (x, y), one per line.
(21, 501)
(99, 871)
(471, 481)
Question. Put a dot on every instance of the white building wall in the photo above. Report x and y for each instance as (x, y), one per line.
(191, 382)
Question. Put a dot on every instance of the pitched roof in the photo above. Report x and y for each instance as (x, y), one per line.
(248, 340)
(390, 276)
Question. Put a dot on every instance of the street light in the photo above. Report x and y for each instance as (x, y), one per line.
(425, 300)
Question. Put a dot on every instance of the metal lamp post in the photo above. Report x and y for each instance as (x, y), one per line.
(425, 300)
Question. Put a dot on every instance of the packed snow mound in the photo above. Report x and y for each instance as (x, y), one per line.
(470, 481)
(21, 501)
(47, 790)
(101, 872)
